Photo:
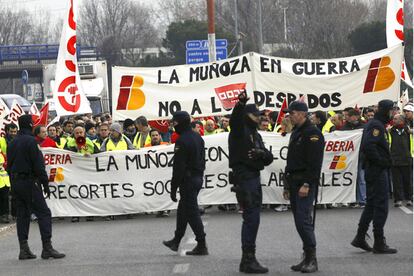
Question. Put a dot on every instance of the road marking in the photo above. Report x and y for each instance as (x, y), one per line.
(7, 228)
(181, 268)
(406, 210)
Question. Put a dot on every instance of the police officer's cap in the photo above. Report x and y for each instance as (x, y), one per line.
(386, 105)
(180, 115)
(252, 108)
(296, 106)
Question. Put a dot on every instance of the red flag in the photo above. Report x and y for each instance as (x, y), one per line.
(161, 125)
(42, 119)
(281, 113)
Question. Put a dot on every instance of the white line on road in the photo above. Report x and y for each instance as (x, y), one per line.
(406, 210)
(181, 268)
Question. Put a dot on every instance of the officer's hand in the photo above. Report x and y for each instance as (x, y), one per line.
(46, 190)
(243, 97)
(303, 191)
(173, 196)
(256, 154)
(286, 194)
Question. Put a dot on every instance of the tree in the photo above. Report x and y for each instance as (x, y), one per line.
(179, 32)
(368, 37)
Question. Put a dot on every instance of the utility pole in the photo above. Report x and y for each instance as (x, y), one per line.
(284, 23)
(260, 27)
(236, 28)
(211, 31)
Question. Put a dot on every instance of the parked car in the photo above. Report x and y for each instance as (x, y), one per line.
(8, 99)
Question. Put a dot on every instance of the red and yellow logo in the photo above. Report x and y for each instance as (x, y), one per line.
(380, 75)
(338, 162)
(131, 97)
(56, 175)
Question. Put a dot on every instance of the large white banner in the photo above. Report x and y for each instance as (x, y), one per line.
(68, 94)
(123, 182)
(212, 88)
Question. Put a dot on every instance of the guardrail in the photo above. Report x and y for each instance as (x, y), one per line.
(39, 52)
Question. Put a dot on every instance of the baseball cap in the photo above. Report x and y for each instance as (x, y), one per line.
(296, 106)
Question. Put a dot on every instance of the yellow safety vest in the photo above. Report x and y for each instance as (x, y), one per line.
(327, 127)
(62, 143)
(4, 177)
(122, 145)
(411, 142)
(3, 145)
(89, 145)
(277, 128)
(138, 138)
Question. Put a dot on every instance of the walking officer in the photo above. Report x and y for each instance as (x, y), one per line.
(188, 173)
(247, 157)
(27, 172)
(377, 161)
(303, 169)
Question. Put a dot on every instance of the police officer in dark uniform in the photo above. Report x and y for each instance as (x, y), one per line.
(247, 157)
(303, 169)
(26, 168)
(377, 161)
(188, 173)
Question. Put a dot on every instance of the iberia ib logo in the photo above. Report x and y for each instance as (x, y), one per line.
(380, 75)
(131, 97)
(338, 162)
(56, 175)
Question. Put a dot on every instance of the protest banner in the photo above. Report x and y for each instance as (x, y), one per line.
(123, 182)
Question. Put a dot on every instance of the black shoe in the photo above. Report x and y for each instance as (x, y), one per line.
(381, 247)
(199, 250)
(310, 263)
(298, 267)
(360, 242)
(172, 244)
(49, 252)
(25, 253)
(249, 263)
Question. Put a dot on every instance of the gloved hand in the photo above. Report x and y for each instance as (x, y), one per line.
(256, 154)
(46, 190)
(243, 97)
(173, 195)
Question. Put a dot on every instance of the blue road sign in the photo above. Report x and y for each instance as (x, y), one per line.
(201, 55)
(25, 77)
(203, 44)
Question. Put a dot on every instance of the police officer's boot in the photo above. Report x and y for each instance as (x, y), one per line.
(360, 242)
(49, 252)
(199, 250)
(25, 252)
(311, 264)
(298, 267)
(380, 245)
(172, 244)
(249, 263)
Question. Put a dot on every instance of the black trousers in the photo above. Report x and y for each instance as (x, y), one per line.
(376, 209)
(29, 199)
(402, 183)
(4, 201)
(302, 208)
(188, 212)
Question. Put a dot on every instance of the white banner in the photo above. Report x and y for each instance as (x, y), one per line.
(212, 88)
(68, 94)
(123, 182)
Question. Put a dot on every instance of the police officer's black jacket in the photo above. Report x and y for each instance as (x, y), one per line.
(374, 144)
(189, 157)
(242, 139)
(24, 157)
(305, 153)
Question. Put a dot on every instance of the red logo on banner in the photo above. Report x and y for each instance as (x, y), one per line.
(228, 94)
(380, 75)
(68, 85)
(131, 97)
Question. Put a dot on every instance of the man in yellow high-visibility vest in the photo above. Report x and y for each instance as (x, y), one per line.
(142, 137)
(4, 192)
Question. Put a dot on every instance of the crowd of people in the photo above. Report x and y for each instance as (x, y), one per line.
(89, 134)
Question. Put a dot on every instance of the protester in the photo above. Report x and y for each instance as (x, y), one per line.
(11, 133)
(4, 191)
(155, 138)
(52, 133)
(224, 124)
(116, 141)
(197, 127)
(210, 128)
(264, 125)
(103, 133)
(90, 129)
(68, 128)
(400, 142)
(337, 121)
(142, 137)
(42, 139)
(408, 113)
(319, 119)
(129, 129)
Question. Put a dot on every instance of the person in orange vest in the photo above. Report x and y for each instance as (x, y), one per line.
(155, 138)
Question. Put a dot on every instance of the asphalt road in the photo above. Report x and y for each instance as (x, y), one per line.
(133, 246)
